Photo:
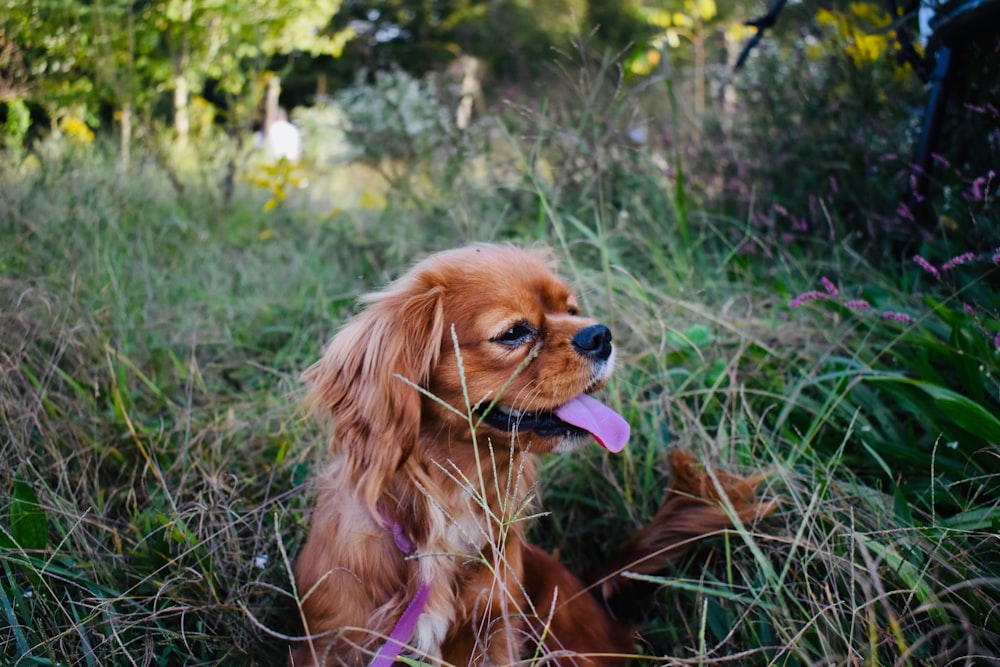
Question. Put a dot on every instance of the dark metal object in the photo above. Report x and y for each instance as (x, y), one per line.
(967, 22)
(762, 24)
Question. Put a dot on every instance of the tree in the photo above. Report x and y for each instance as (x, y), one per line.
(81, 55)
(231, 42)
(514, 37)
(677, 22)
(13, 74)
(126, 61)
(47, 35)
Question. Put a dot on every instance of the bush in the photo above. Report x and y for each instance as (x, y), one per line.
(16, 125)
(397, 116)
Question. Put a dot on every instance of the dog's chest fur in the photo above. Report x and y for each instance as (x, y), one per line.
(471, 558)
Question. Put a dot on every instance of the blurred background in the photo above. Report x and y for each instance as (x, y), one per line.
(817, 133)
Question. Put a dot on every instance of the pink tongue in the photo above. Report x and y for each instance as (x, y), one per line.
(607, 426)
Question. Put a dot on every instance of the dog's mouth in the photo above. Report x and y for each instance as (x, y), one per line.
(578, 417)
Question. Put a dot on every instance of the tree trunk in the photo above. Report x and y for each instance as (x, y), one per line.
(126, 134)
(728, 93)
(271, 107)
(699, 69)
(182, 124)
(322, 88)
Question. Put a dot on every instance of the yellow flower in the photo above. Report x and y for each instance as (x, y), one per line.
(870, 14)
(738, 32)
(76, 130)
(372, 200)
(276, 178)
(861, 29)
(825, 17)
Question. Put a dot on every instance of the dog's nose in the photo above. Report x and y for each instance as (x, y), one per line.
(593, 341)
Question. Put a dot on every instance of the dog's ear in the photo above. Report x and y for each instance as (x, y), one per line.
(376, 414)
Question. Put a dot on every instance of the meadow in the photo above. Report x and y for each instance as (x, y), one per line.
(155, 464)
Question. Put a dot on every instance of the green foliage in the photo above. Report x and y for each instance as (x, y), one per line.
(825, 126)
(128, 54)
(397, 116)
(16, 126)
(136, 518)
(327, 129)
(837, 121)
(922, 394)
(424, 37)
(623, 24)
(226, 41)
(28, 523)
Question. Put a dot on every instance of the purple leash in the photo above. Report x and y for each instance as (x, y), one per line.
(401, 634)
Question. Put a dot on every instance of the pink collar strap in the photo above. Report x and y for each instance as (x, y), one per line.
(407, 623)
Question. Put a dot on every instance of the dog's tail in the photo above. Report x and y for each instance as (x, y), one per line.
(697, 504)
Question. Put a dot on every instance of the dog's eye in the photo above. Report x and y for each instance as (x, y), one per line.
(517, 334)
(573, 310)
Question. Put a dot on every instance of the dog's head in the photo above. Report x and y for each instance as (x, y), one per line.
(485, 334)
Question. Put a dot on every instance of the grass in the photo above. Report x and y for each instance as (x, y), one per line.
(154, 465)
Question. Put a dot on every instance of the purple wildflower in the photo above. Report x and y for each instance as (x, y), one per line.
(996, 255)
(976, 190)
(969, 309)
(958, 260)
(937, 157)
(807, 296)
(898, 317)
(904, 211)
(828, 285)
(781, 210)
(979, 188)
(927, 266)
(996, 341)
(914, 190)
(857, 304)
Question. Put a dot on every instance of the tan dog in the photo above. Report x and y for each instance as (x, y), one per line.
(441, 392)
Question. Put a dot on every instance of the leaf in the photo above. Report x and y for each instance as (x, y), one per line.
(28, 522)
(977, 519)
(661, 18)
(707, 9)
(16, 628)
(956, 408)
